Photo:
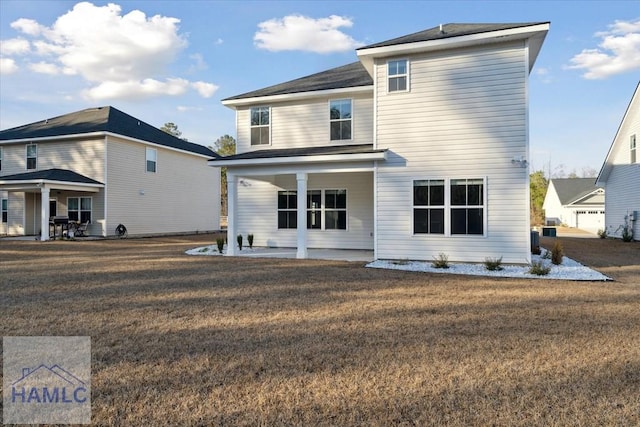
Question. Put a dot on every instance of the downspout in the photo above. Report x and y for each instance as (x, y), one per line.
(527, 154)
(106, 186)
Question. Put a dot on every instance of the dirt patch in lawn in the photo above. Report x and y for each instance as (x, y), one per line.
(183, 340)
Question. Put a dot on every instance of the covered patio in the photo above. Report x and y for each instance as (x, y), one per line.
(46, 183)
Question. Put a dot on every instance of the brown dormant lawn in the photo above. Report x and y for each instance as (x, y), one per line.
(186, 340)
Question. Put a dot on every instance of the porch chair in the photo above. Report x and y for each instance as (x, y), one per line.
(81, 230)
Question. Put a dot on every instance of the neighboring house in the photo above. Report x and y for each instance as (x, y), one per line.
(574, 202)
(417, 149)
(104, 166)
(620, 173)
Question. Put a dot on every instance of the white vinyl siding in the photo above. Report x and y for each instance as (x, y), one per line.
(306, 124)
(465, 116)
(257, 211)
(182, 196)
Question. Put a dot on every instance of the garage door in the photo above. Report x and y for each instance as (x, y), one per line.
(591, 221)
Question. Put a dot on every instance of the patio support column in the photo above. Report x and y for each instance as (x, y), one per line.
(232, 202)
(302, 215)
(44, 213)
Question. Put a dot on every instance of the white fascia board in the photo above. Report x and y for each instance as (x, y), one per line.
(233, 103)
(326, 158)
(534, 31)
(100, 134)
(46, 183)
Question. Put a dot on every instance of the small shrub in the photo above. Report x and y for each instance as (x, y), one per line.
(239, 239)
(557, 253)
(602, 233)
(220, 243)
(250, 240)
(627, 229)
(539, 268)
(442, 261)
(203, 250)
(493, 264)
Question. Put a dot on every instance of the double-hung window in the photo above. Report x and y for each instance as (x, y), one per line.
(340, 119)
(79, 209)
(335, 209)
(260, 126)
(467, 206)
(398, 75)
(32, 156)
(449, 207)
(287, 209)
(0, 158)
(5, 210)
(152, 159)
(428, 206)
(633, 149)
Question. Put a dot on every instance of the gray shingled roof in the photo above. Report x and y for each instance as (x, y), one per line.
(448, 31)
(102, 119)
(306, 151)
(346, 76)
(571, 189)
(51, 175)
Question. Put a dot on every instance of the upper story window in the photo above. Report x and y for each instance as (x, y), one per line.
(260, 129)
(633, 150)
(340, 119)
(398, 75)
(152, 159)
(32, 156)
(0, 158)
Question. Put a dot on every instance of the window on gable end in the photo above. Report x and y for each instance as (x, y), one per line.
(633, 149)
(398, 75)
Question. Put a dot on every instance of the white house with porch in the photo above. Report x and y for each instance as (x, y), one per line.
(418, 148)
(102, 167)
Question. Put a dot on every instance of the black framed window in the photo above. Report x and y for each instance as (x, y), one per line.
(79, 209)
(467, 206)
(335, 213)
(287, 209)
(428, 206)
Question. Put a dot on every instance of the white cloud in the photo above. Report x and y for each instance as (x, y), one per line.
(14, 47)
(618, 52)
(45, 68)
(206, 90)
(8, 66)
(136, 90)
(121, 56)
(28, 26)
(544, 74)
(184, 108)
(296, 32)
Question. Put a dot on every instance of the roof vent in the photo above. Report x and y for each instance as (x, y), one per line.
(441, 29)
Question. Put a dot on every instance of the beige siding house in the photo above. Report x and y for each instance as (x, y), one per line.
(417, 149)
(103, 167)
(620, 174)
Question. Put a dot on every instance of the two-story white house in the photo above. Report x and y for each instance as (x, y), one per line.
(103, 167)
(418, 148)
(620, 174)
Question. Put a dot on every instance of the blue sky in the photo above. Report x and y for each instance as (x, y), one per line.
(173, 61)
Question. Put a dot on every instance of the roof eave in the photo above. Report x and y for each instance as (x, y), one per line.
(535, 33)
(324, 158)
(234, 103)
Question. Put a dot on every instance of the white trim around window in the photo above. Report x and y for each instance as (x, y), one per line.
(450, 207)
(398, 75)
(327, 209)
(633, 149)
(341, 119)
(31, 156)
(151, 160)
(80, 209)
(260, 126)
